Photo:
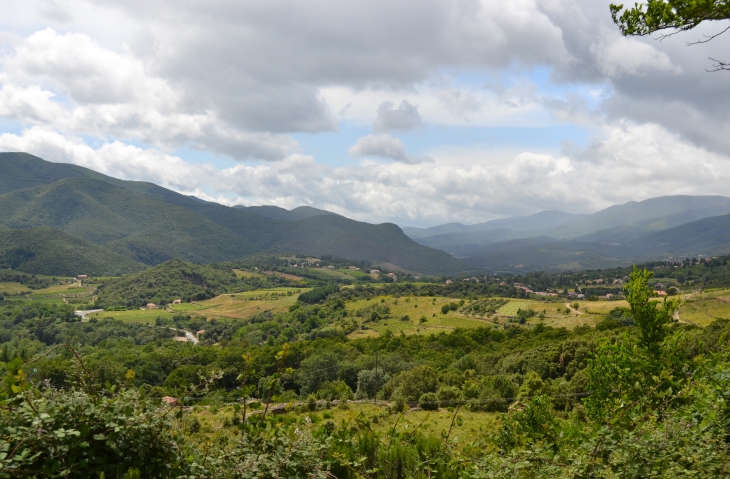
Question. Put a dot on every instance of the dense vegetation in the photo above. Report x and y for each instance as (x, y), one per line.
(52, 252)
(149, 224)
(174, 280)
(30, 280)
(639, 396)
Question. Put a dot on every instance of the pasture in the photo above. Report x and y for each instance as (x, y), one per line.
(245, 305)
(13, 288)
(146, 316)
(702, 308)
(467, 426)
(414, 308)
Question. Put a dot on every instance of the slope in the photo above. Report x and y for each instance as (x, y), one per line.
(465, 243)
(52, 252)
(131, 224)
(164, 283)
(342, 237)
(549, 255)
(705, 236)
(675, 208)
(281, 214)
(536, 222)
(152, 224)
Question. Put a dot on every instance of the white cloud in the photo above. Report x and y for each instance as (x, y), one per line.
(239, 78)
(70, 83)
(625, 162)
(616, 56)
(385, 146)
(403, 118)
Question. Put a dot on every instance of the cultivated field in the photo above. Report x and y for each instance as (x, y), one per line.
(244, 305)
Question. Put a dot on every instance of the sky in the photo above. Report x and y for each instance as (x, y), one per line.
(416, 112)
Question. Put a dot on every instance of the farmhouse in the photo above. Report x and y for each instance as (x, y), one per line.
(82, 276)
(177, 301)
(151, 306)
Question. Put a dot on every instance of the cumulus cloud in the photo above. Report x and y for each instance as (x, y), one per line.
(403, 118)
(385, 146)
(71, 83)
(623, 162)
(242, 78)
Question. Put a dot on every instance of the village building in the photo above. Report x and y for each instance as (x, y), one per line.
(151, 306)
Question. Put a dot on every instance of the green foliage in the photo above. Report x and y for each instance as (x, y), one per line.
(332, 390)
(428, 402)
(533, 422)
(652, 321)
(318, 295)
(75, 434)
(165, 283)
(654, 15)
(52, 252)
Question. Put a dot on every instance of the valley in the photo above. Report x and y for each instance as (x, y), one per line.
(266, 324)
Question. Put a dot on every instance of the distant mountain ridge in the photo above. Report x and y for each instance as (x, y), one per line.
(620, 234)
(148, 224)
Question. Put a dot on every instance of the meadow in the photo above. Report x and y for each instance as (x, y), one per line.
(468, 426)
(13, 288)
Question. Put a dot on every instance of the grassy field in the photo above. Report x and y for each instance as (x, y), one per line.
(247, 274)
(13, 288)
(704, 308)
(468, 426)
(339, 273)
(238, 306)
(510, 309)
(135, 315)
(244, 305)
(413, 307)
(56, 293)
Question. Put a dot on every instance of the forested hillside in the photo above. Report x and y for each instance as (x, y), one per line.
(52, 252)
(149, 224)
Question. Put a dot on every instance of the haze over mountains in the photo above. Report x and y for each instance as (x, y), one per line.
(551, 240)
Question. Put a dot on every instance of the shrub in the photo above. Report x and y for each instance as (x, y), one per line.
(428, 402)
(448, 395)
(79, 435)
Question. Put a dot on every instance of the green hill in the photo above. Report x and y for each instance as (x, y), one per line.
(55, 253)
(151, 224)
(342, 237)
(164, 283)
(126, 222)
(705, 236)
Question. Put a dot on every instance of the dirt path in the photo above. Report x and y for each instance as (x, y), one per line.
(567, 305)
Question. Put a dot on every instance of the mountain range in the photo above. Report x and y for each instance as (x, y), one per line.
(63, 219)
(129, 225)
(657, 228)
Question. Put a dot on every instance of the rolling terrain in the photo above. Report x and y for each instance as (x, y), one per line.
(635, 231)
(148, 224)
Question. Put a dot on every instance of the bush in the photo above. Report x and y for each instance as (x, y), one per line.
(428, 402)
(332, 390)
(448, 395)
(80, 435)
